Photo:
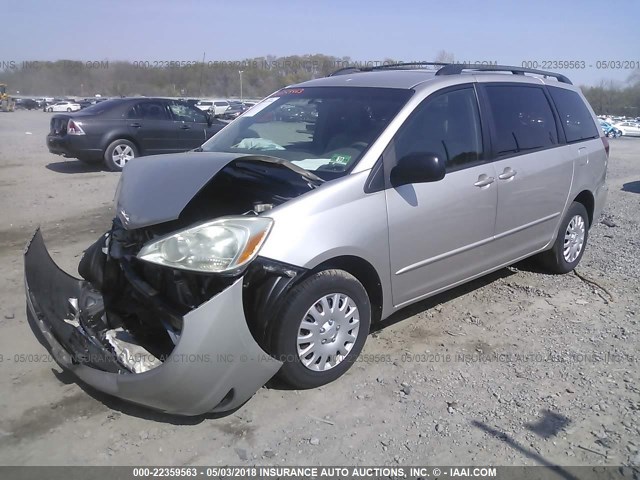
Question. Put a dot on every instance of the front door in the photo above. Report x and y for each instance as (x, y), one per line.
(191, 123)
(150, 124)
(439, 232)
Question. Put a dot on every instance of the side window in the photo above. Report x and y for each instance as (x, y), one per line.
(576, 118)
(186, 113)
(447, 125)
(132, 113)
(149, 111)
(522, 118)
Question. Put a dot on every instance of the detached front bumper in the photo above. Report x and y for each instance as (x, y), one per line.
(216, 365)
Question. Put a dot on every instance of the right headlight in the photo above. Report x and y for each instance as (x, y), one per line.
(224, 245)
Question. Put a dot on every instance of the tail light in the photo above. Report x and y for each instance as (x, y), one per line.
(605, 142)
(74, 128)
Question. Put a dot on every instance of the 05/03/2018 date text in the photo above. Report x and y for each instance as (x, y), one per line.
(581, 64)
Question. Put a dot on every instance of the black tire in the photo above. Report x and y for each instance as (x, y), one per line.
(300, 300)
(49, 109)
(68, 109)
(554, 260)
(120, 143)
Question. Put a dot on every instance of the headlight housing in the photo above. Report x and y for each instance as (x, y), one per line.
(224, 245)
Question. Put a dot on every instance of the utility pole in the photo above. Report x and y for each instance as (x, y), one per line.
(241, 96)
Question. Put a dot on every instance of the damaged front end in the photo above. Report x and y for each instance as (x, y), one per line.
(162, 335)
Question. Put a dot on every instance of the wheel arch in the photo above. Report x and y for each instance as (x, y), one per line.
(365, 273)
(586, 198)
(268, 282)
(120, 136)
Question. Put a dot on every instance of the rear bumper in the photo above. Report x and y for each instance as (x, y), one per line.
(74, 147)
(216, 365)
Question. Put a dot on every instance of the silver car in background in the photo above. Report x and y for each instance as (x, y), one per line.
(273, 248)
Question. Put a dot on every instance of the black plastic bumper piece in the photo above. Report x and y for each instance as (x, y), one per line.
(58, 310)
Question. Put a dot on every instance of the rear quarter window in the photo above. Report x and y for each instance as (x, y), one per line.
(522, 118)
(575, 116)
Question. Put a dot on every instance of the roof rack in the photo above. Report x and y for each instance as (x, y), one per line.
(388, 66)
(345, 71)
(454, 69)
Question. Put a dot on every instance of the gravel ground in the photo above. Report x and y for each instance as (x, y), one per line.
(517, 368)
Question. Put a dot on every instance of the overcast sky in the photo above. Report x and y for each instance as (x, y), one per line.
(509, 32)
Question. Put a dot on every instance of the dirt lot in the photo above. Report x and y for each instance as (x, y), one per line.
(517, 368)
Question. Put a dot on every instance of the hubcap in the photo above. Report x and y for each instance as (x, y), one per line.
(122, 154)
(328, 332)
(574, 239)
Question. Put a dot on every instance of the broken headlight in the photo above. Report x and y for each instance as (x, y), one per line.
(223, 245)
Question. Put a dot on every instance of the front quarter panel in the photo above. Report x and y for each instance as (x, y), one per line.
(337, 219)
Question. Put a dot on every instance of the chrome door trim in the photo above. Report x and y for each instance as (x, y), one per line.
(450, 253)
(442, 256)
(526, 225)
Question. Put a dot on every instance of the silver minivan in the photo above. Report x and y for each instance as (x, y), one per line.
(325, 208)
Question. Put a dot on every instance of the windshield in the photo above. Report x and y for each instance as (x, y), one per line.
(324, 130)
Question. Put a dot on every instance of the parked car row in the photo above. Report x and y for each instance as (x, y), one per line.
(617, 126)
(227, 109)
(50, 104)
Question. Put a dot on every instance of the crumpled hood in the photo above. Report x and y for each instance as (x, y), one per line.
(155, 189)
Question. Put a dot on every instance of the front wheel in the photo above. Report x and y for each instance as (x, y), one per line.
(49, 109)
(321, 328)
(569, 246)
(118, 153)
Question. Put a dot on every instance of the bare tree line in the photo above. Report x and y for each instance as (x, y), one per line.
(260, 76)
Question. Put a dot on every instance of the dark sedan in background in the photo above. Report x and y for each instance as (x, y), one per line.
(115, 131)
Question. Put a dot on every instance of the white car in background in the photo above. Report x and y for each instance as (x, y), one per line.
(632, 129)
(63, 107)
(204, 105)
(216, 107)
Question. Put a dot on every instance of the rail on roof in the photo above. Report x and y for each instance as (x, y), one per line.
(453, 69)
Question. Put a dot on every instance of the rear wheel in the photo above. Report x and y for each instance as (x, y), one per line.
(321, 328)
(569, 246)
(50, 109)
(118, 153)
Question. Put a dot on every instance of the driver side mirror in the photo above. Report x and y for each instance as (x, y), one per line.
(420, 167)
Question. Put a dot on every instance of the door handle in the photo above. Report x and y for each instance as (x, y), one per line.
(484, 180)
(507, 174)
(135, 125)
(184, 127)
